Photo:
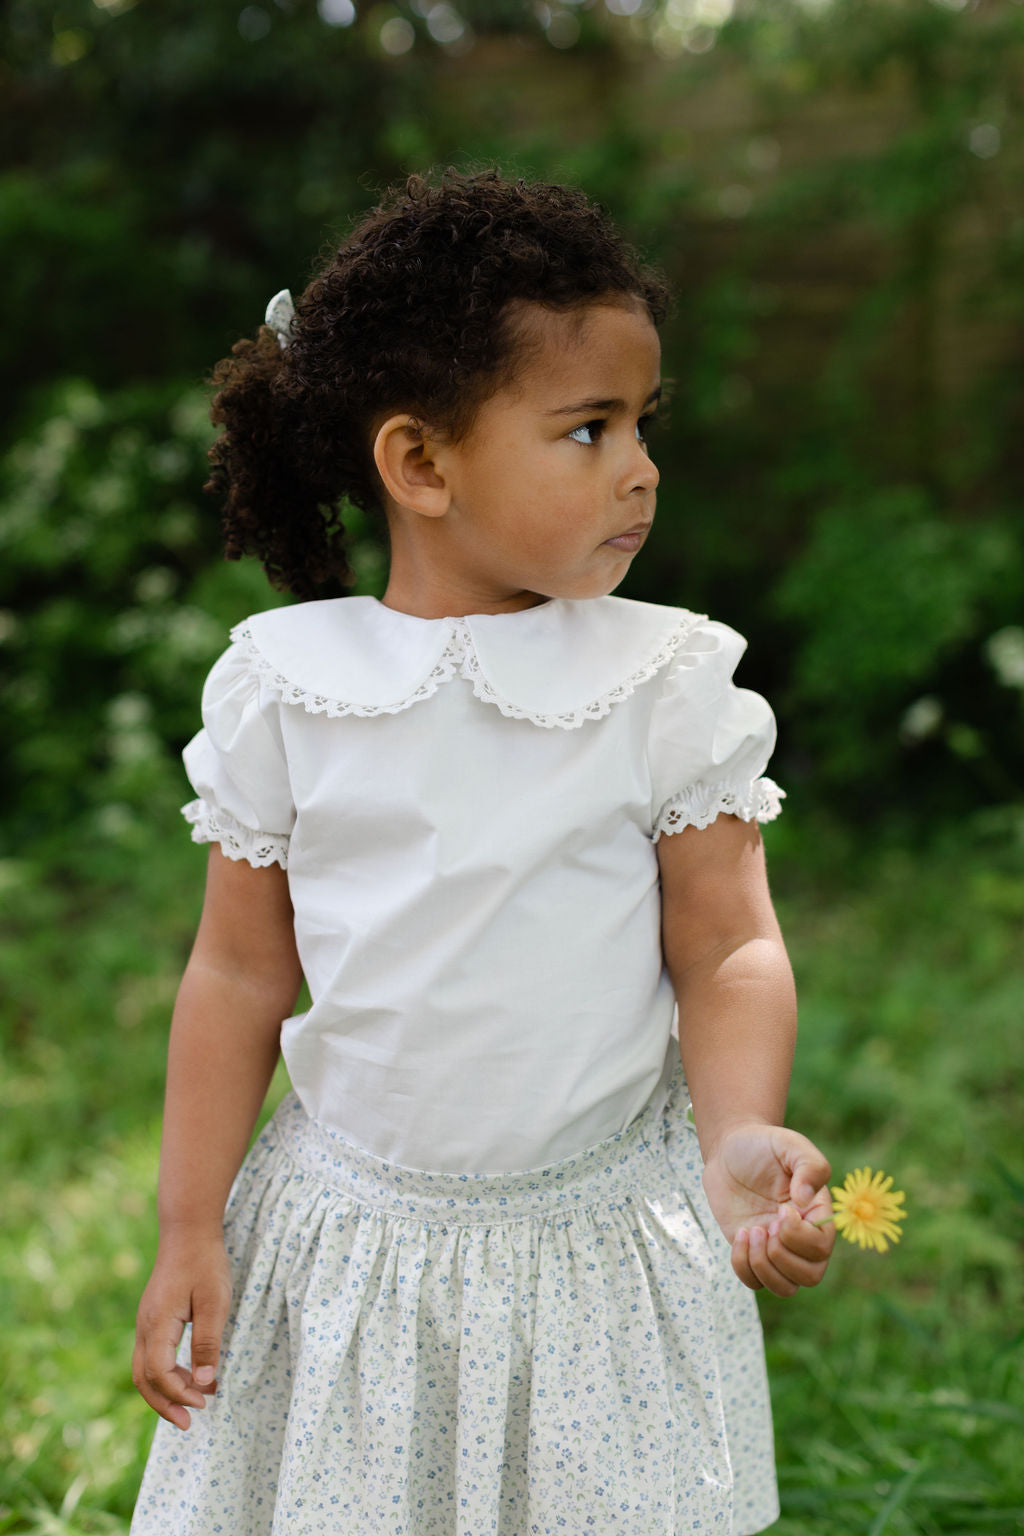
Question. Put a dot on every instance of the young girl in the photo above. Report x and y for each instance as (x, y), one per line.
(468, 1280)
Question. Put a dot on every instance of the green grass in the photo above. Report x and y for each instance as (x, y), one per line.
(898, 1385)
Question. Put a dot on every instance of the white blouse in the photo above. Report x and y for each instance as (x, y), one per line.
(467, 809)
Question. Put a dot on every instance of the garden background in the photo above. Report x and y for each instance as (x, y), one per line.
(836, 191)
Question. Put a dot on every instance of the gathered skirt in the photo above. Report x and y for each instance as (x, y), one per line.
(551, 1353)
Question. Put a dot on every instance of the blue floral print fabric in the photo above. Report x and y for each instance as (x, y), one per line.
(564, 1350)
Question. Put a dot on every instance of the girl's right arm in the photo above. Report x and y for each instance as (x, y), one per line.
(241, 981)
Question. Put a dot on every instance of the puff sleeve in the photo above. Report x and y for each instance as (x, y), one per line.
(237, 767)
(709, 740)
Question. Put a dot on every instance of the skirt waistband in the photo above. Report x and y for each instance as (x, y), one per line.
(612, 1171)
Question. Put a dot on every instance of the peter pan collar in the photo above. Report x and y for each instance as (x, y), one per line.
(557, 664)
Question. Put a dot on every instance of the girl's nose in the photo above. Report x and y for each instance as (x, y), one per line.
(642, 473)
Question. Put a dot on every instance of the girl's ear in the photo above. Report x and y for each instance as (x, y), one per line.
(406, 463)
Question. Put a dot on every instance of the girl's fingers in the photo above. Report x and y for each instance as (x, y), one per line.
(167, 1304)
(741, 1260)
(799, 1236)
(155, 1368)
(210, 1305)
(796, 1250)
(819, 1210)
(810, 1172)
(783, 1257)
(763, 1266)
(791, 1268)
(174, 1413)
(168, 1391)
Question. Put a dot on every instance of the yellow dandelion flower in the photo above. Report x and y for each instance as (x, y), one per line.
(867, 1210)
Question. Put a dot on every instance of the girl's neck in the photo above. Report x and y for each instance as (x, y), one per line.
(422, 597)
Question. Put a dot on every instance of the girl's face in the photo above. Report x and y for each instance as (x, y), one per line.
(552, 492)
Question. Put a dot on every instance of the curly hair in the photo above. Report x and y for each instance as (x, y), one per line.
(411, 313)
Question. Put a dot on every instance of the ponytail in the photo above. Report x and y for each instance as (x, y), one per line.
(280, 494)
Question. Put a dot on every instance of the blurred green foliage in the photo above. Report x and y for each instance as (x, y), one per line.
(99, 537)
(112, 604)
(892, 597)
(841, 468)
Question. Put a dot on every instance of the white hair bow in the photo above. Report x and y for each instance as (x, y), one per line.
(280, 314)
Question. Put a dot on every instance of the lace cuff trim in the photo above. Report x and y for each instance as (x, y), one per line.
(700, 804)
(459, 657)
(210, 825)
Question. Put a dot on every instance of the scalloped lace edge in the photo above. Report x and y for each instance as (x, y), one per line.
(211, 825)
(597, 708)
(321, 704)
(700, 804)
(459, 656)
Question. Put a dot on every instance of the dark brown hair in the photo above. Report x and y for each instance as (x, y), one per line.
(411, 313)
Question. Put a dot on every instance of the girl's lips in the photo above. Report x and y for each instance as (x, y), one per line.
(629, 541)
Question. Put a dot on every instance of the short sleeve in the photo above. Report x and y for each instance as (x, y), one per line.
(237, 767)
(709, 740)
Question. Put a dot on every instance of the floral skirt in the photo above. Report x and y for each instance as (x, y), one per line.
(564, 1350)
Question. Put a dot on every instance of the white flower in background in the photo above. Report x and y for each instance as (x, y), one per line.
(922, 719)
(1005, 652)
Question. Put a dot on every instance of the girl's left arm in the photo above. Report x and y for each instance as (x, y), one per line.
(766, 1184)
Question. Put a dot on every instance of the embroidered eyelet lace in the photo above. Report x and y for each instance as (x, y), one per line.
(322, 704)
(211, 825)
(459, 657)
(698, 805)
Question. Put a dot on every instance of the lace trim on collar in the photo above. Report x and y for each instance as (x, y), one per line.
(322, 704)
(459, 657)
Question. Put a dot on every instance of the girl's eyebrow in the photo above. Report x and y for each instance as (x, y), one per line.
(580, 406)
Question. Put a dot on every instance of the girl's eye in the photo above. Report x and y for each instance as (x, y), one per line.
(590, 430)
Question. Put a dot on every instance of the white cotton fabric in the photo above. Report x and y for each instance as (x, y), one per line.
(468, 810)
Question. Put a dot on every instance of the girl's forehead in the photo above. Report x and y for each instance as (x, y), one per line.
(611, 341)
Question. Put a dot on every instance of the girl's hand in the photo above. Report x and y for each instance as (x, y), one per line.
(767, 1186)
(191, 1282)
